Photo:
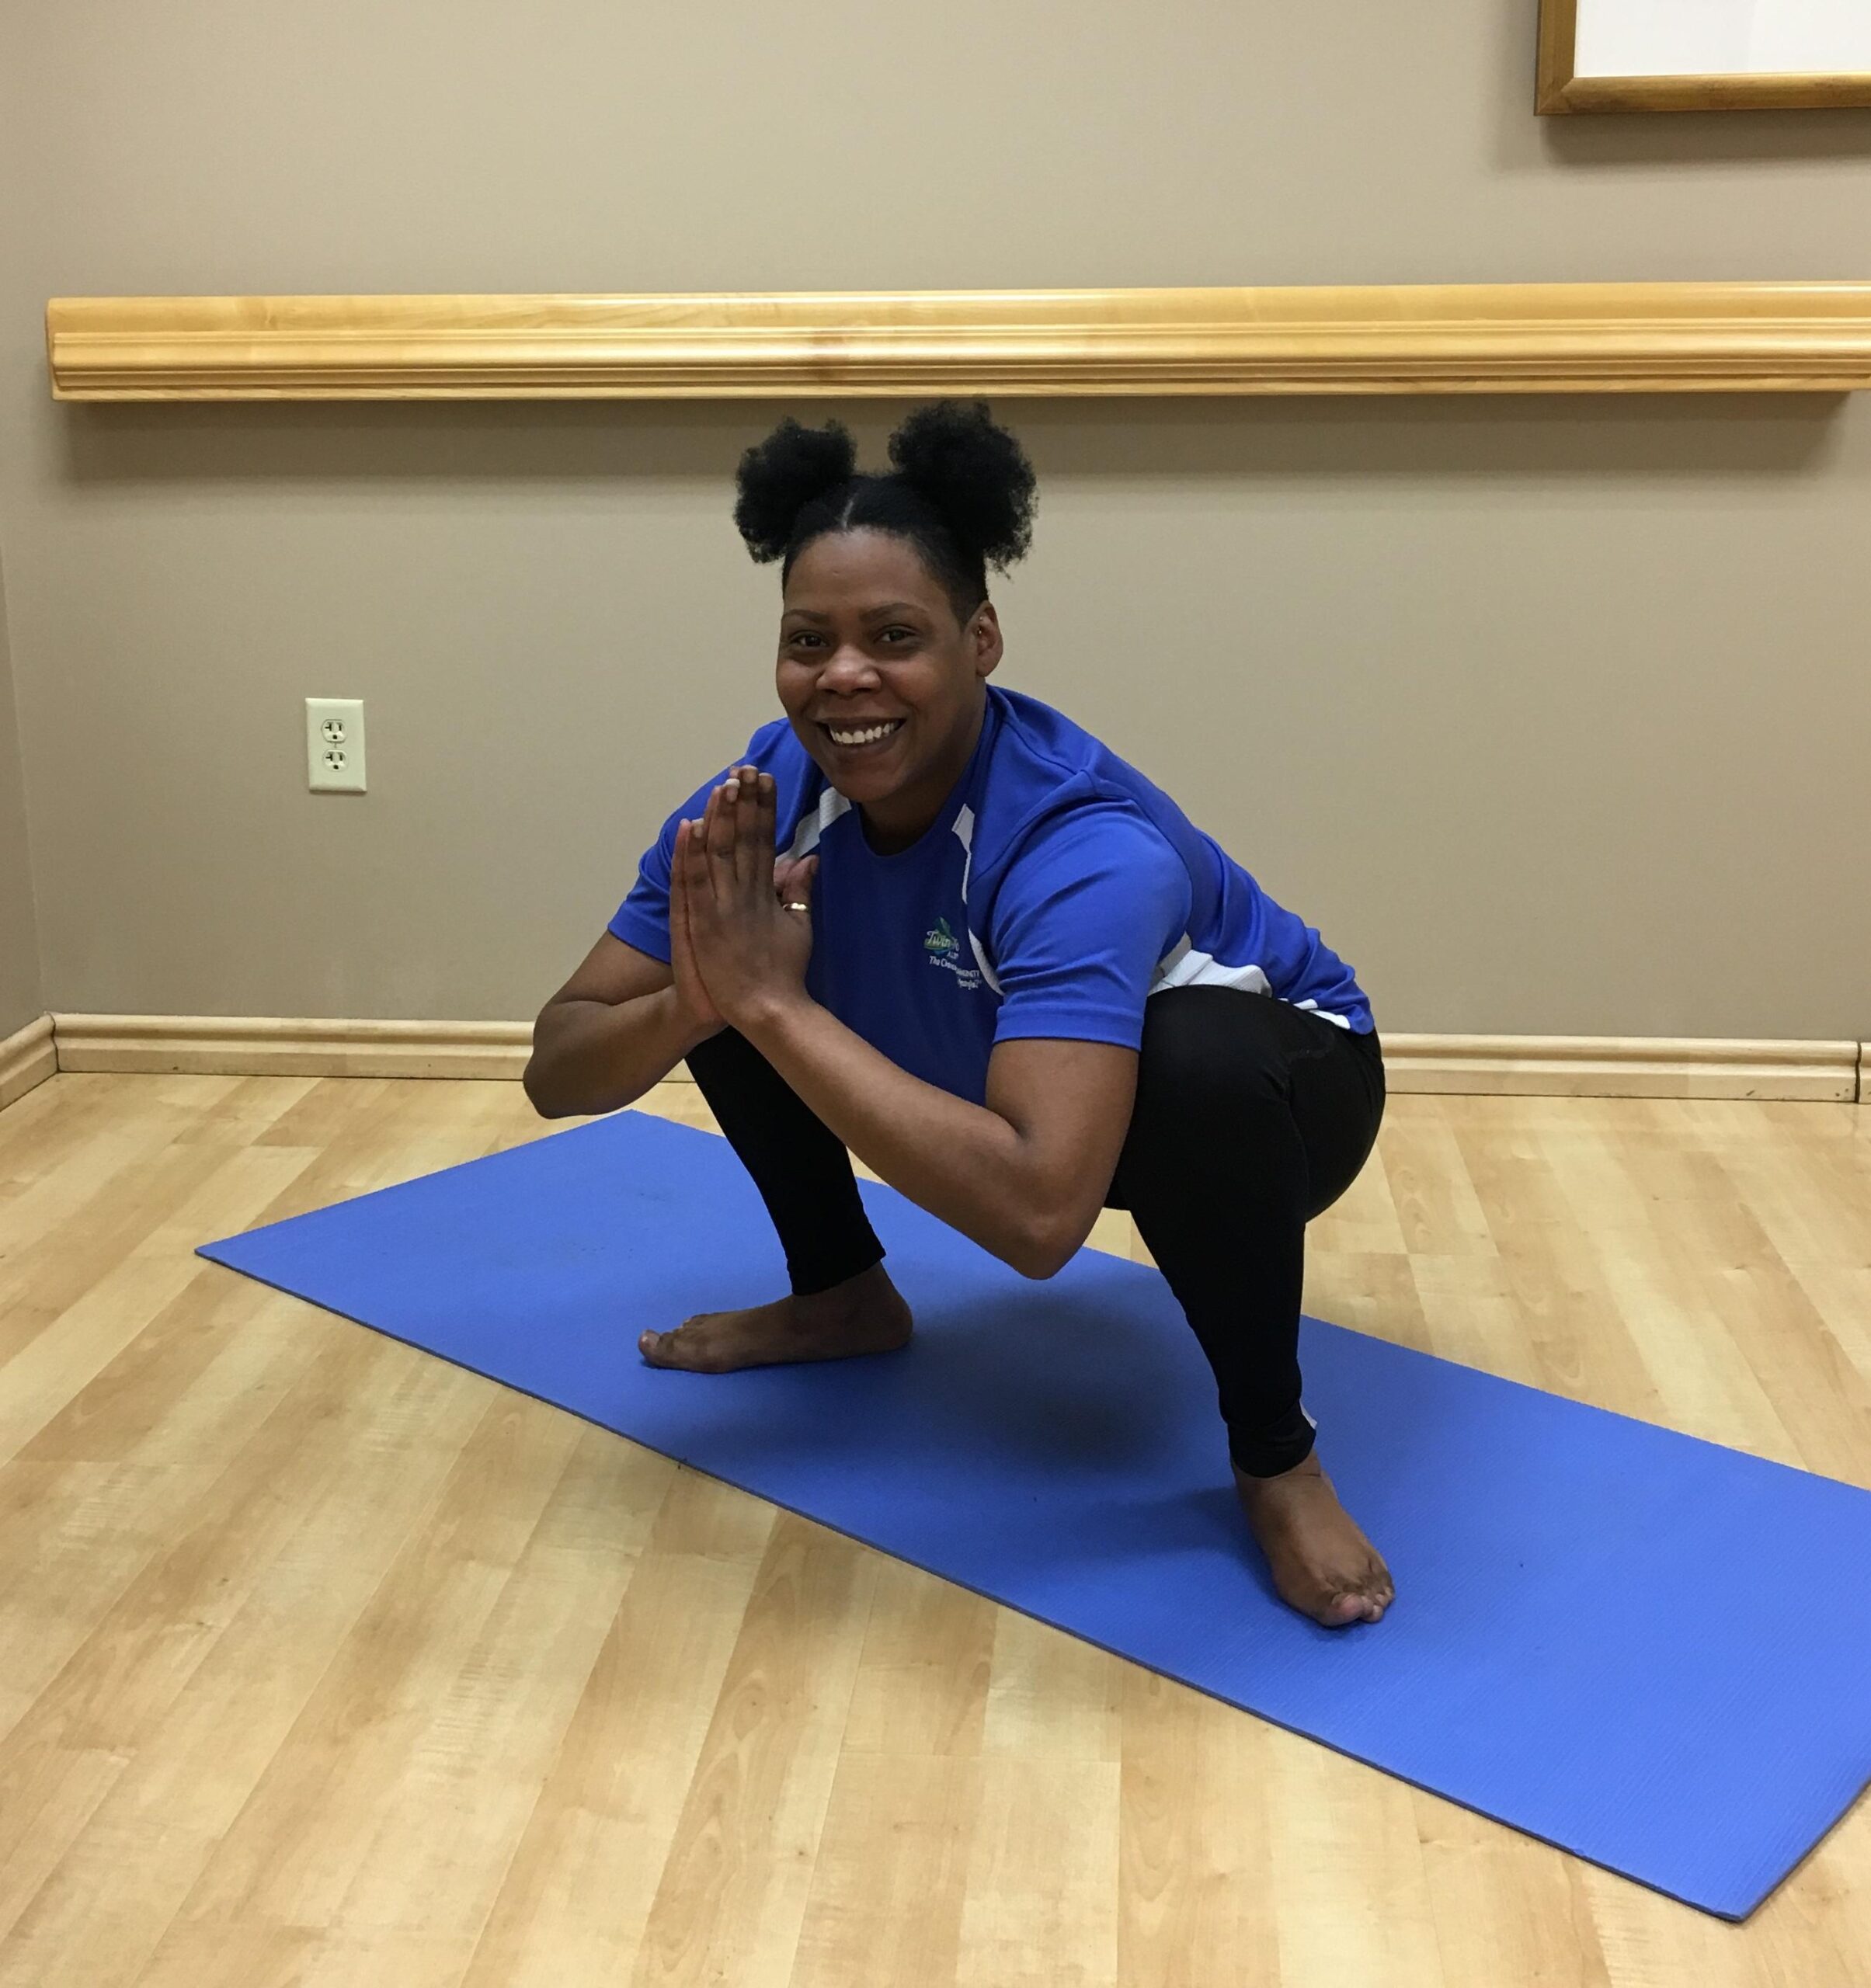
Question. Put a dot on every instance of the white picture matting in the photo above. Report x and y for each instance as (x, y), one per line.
(1721, 37)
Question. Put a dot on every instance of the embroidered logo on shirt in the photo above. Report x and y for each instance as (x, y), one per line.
(944, 949)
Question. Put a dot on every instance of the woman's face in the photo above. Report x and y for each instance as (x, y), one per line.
(883, 687)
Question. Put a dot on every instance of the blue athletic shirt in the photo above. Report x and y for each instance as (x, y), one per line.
(1055, 892)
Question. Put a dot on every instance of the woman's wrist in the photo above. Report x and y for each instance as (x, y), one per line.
(690, 1030)
(769, 1011)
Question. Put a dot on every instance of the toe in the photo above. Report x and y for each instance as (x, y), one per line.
(1341, 1611)
(676, 1348)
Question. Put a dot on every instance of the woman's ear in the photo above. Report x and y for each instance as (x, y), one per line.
(985, 647)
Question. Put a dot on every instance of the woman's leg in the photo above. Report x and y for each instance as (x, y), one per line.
(842, 1300)
(803, 1171)
(1251, 1118)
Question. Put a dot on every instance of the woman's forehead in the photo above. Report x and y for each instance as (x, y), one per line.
(847, 567)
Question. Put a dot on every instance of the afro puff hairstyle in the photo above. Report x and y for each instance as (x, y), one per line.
(960, 490)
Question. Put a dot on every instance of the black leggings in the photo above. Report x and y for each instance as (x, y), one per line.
(1251, 1118)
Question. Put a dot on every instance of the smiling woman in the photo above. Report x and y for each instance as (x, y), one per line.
(876, 687)
(1025, 986)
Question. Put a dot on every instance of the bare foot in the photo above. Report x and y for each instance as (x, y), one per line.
(865, 1314)
(1322, 1565)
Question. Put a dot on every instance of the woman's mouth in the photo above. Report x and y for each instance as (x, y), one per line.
(864, 737)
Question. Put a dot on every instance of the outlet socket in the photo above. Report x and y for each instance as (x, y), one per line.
(334, 745)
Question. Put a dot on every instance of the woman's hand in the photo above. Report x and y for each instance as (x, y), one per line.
(736, 951)
(700, 1013)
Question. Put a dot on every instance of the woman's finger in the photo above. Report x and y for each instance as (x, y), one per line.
(727, 827)
(691, 989)
(760, 828)
(805, 875)
(746, 813)
(692, 859)
(679, 895)
(717, 825)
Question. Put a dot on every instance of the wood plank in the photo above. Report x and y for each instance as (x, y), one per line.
(576, 1897)
(1195, 1897)
(889, 1881)
(732, 1896)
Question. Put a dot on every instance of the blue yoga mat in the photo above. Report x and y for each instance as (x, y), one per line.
(1651, 1651)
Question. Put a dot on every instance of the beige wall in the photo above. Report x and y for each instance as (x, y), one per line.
(20, 1000)
(1551, 713)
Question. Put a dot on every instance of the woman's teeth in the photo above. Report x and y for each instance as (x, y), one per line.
(866, 735)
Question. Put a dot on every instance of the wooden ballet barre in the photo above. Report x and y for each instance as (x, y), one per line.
(1435, 339)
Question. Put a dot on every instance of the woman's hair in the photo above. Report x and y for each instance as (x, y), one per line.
(962, 492)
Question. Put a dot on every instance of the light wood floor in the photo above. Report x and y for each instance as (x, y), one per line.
(322, 1662)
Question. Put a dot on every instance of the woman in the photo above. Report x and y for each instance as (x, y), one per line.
(937, 923)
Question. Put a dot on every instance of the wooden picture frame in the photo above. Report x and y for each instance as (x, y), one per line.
(1563, 90)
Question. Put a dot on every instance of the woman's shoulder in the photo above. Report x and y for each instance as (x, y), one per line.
(1054, 794)
(1045, 763)
(1052, 745)
(1036, 730)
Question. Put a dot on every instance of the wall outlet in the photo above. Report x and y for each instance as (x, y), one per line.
(334, 745)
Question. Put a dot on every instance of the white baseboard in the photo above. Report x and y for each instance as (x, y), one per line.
(246, 1045)
(27, 1057)
(1528, 1065)
(1624, 1066)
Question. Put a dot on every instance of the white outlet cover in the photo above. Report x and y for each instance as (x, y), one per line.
(334, 745)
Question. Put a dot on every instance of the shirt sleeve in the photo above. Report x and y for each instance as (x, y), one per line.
(642, 919)
(1086, 910)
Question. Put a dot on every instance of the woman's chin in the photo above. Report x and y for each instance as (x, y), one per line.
(861, 777)
(861, 786)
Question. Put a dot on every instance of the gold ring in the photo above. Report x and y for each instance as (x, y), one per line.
(798, 907)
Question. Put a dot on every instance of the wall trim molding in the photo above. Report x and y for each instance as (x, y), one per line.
(1625, 1066)
(27, 1057)
(1399, 338)
(251, 1045)
(1527, 1066)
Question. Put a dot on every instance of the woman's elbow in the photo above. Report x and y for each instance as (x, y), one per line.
(546, 1097)
(1044, 1250)
(537, 1095)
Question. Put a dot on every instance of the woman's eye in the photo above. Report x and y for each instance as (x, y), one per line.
(908, 634)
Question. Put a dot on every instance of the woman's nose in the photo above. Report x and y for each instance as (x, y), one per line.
(849, 665)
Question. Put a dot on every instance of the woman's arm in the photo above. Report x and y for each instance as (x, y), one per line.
(615, 1028)
(1024, 1174)
(622, 1021)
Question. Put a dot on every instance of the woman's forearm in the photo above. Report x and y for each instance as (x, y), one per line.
(964, 1163)
(595, 1056)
